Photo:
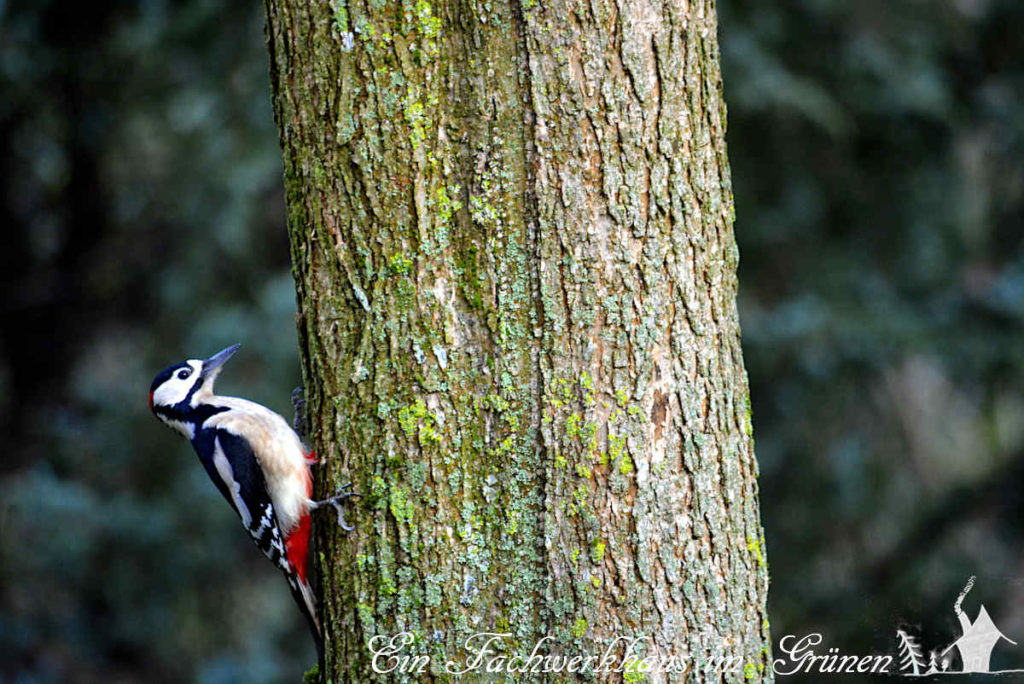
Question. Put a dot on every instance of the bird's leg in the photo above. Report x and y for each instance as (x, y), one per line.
(301, 425)
(338, 501)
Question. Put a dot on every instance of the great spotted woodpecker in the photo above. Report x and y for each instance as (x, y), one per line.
(255, 459)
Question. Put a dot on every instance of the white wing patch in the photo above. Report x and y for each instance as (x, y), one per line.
(269, 539)
(278, 450)
(267, 521)
(220, 462)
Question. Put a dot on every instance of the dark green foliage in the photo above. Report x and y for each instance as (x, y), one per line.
(878, 170)
(142, 222)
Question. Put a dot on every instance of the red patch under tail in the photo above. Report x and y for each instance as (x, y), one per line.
(297, 546)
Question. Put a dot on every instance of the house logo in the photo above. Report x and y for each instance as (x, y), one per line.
(970, 652)
(974, 646)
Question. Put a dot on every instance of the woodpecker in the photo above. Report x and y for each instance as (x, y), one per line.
(257, 462)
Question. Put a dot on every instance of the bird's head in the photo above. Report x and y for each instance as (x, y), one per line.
(180, 388)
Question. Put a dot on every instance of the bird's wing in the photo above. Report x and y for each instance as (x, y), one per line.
(237, 474)
(235, 471)
(279, 452)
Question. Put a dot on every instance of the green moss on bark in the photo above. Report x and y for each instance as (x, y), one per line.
(512, 245)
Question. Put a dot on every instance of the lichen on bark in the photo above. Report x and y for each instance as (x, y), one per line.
(511, 230)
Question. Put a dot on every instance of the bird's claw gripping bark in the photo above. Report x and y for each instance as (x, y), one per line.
(338, 502)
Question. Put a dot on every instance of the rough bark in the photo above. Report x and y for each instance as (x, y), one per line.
(511, 230)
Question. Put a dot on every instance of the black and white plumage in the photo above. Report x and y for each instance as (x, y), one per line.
(255, 459)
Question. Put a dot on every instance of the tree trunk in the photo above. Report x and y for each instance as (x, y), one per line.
(511, 231)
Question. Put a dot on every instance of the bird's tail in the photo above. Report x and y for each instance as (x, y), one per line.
(297, 550)
(303, 595)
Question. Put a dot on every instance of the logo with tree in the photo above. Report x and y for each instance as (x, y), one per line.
(974, 646)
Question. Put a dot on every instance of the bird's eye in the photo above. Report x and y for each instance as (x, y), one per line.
(184, 373)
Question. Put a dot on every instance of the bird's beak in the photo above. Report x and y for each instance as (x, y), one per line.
(211, 366)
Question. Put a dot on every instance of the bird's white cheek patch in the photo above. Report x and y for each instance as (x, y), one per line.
(220, 462)
(167, 394)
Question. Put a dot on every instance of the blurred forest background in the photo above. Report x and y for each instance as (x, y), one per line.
(878, 158)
